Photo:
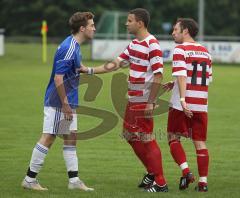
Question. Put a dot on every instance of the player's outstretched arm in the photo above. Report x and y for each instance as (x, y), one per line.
(105, 68)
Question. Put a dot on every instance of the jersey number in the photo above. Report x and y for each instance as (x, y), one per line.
(194, 74)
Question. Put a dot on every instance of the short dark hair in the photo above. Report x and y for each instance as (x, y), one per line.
(190, 24)
(141, 15)
(79, 19)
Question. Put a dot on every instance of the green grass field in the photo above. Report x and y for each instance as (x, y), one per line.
(106, 162)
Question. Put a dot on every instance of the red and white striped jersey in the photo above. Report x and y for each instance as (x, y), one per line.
(145, 59)
(193, 61)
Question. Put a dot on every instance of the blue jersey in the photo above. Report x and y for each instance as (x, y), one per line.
(66, 61)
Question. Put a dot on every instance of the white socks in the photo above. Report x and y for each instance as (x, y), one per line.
(38, 155)
(71, 161)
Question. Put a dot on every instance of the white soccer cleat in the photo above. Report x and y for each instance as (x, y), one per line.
(34, 185)
(79, 185)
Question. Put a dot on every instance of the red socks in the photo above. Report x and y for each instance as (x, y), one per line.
(150, 155)
(140, 151)
(203, 162)
(179, 155)
(155, 157)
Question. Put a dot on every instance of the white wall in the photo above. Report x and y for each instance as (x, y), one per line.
(225, 52)
(1, 44)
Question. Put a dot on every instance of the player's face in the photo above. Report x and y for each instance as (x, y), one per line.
(89, 30)
(132, 24)
(177, 33)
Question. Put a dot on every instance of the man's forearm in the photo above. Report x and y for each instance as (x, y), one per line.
(107, 67)
(181, 80)
(155, 86)
(101, 69)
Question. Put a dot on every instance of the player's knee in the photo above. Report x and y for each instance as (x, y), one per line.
(70, 139)
(172, 138)
(200, 145)
(47, 139)
(173, 141)
(70, 142)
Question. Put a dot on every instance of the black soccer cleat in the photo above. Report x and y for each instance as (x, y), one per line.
(201, 188)
(147, 181)
(157, 188)
(185, 181)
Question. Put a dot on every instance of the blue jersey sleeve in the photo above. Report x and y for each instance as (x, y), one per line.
(65, 59)
(63, 66)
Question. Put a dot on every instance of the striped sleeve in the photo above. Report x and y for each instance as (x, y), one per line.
(155, 56)
(179, 67)
(66, 60)
(125, 54)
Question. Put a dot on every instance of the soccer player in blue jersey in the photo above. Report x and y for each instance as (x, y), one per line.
(61, 100)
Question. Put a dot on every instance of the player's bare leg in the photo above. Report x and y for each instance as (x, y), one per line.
(203, 162)
(47, 140)
(71, 161)
(38, 155)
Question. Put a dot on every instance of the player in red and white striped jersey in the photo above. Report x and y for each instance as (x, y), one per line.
(145, 59)
(193, 61)
(188, 105)
(146, 68)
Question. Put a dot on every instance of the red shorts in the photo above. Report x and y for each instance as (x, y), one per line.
(134, 119)
(194, 128)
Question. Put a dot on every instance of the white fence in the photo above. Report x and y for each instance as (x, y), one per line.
(1, 42)
(223, 52)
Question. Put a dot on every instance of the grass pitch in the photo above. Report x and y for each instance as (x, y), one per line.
(106, 162)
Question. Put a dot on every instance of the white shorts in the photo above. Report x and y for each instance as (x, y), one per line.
(54, 122)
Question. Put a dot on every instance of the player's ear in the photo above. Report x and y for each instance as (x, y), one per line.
(141, 24)
(185, 31)
(82, 28)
